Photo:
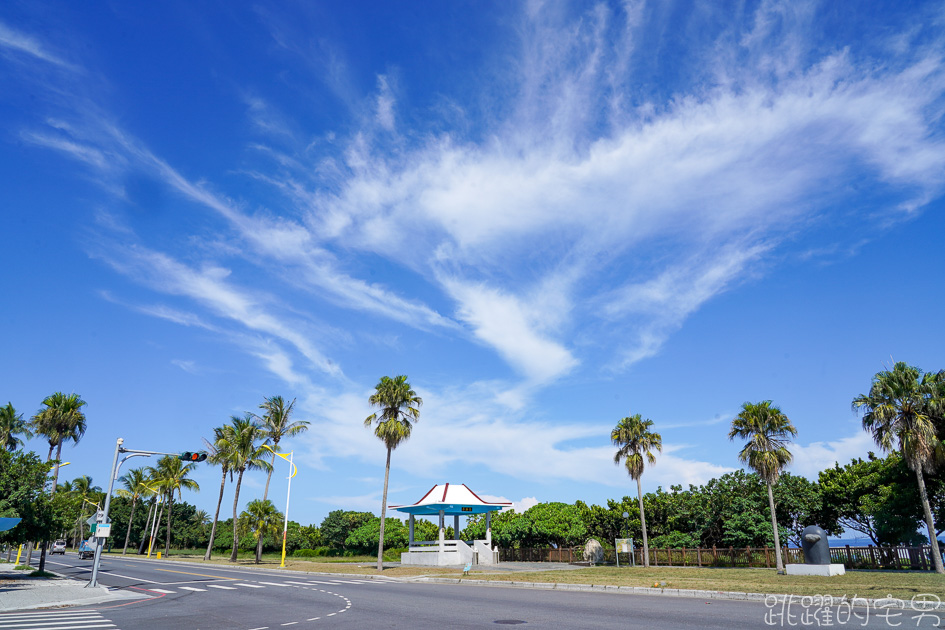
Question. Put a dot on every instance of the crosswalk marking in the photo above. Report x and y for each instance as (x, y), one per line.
(54, 620)
(161, 590)
(191, 588)
(251, 585)
(220, 586)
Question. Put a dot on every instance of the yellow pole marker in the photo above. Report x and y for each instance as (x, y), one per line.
(294, 470)
(18, 554)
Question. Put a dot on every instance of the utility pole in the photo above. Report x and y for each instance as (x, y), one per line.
(102, 517)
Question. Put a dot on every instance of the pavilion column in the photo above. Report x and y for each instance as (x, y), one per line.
(489, 529)
(411, 529)
(456, 527)
(442, 540)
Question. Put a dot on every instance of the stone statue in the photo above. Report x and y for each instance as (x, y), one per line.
(593, 552)
(814, 544)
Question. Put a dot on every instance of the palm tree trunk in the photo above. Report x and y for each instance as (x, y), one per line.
(216, 516)
(170, 512)
(646, 544)
(933, 539)
(777, 538)
(259, 543)
(147, 528)
(134, 503)
(55, 481)
(156, 528)
(236, 499)
(380, 543)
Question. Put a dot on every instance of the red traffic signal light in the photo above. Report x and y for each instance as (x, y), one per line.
(192, 456)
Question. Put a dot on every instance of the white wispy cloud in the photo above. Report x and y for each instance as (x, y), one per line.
(469, 427)
(209, 286)
(14, 40)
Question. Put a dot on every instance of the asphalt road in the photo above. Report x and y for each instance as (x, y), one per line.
(212, 597)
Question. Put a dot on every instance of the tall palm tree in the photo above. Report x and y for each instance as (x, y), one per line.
(262, 518)
(899, 411)
(59, 421)
(767, 430)
(218, 455)
(242, 441)
(277, 424)
(137, 485)
(399, 408)
(171, 475)
(635, 445)
(12, 425)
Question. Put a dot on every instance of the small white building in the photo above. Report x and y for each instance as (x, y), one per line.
(450, 500)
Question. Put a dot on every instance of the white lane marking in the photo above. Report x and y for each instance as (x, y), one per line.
(35, 621)
(161, 590)
(299, 583)
(317, 582)
(71, 627)
(273, 584)
(313, 619)
(50, 614)
(263, 628)
(191, 588)
(331, 614)
(225, 588)
(250, 585)
(291, 623)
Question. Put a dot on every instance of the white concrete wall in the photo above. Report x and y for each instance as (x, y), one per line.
(486, 555)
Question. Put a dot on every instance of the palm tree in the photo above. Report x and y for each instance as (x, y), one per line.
(400, 406)
(11, 426)
(170, 475)
(219, 455)
(276, 425)
(137, 485)
(262, 519)
(767, 430)
(61, 420)
(899, 412)
(241, 440)
(635, 445)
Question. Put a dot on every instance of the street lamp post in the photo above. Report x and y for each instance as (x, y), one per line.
(293, 471)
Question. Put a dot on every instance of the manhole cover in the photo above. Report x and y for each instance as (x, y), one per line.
(509, 622)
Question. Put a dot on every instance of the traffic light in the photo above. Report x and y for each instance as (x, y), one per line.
(192, 456)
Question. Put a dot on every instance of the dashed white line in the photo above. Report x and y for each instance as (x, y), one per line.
(291, 623)
(161, 590)
(191, 588)
(273, 584)
(313, 619)
(221, 587)
(250, 585)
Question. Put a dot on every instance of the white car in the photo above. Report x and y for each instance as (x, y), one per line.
(58, 547)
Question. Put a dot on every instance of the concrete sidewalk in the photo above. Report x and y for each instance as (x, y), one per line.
(18, 591)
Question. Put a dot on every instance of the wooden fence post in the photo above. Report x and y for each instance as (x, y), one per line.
(767, 557)
(699, 556)
(731, 551)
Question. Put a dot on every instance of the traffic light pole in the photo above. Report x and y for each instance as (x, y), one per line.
(99, 540)
(103, 515)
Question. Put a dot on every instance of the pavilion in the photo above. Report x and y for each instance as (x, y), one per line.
(457, 500)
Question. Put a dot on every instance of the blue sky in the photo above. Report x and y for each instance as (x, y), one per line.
(547, 215)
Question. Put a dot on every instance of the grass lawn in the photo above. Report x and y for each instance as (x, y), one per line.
(868, 584)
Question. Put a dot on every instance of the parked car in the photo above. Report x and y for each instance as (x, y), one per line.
(86, 550)
(58, 547)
